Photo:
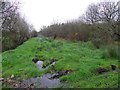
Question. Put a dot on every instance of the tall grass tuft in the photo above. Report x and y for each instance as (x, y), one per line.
(111, 51)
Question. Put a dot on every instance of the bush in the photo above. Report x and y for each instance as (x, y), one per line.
(70, 31)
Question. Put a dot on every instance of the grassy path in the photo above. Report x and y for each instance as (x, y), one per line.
(81, 57)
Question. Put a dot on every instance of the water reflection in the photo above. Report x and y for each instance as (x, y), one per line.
(41, 82)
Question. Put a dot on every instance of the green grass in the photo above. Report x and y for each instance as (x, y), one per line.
(81, 57)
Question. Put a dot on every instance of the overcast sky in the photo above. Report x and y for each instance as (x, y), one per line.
(44, 12)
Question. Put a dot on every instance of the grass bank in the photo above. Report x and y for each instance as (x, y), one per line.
(80, 57)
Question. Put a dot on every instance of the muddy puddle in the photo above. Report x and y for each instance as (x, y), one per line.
(41, 82)
(45, 81)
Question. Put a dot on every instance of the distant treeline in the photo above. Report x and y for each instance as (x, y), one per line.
(99, 33)
(15, 30)
(100, 24)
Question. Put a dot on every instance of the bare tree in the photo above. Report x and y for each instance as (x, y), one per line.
(9, 11)
(102, 12)
(109, 11)
(15, 30)
(92, 14)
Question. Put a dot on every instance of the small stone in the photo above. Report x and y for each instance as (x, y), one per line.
(1, 79)
(9, 80)
(32, 84)
(12, 76)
